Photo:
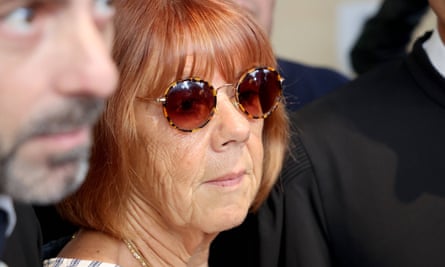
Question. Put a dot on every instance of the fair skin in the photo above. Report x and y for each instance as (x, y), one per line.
(56, 72)
(438, 6)
(261, 10)
(209, 180)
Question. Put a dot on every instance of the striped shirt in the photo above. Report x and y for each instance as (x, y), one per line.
(64, 262)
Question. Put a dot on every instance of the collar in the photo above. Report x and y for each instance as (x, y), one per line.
(7, 206)
(435, 49)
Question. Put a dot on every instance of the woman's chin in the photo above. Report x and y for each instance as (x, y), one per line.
(229, 219)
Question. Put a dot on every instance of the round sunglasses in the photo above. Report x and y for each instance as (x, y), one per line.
(190, 104)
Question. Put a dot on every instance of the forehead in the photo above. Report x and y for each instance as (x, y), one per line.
(202, 59)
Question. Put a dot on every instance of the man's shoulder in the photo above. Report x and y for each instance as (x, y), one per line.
(321, 76)
(376, 85)
(303, 83)
(291, 67)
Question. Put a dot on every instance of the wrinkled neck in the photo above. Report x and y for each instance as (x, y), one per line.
(163, 243)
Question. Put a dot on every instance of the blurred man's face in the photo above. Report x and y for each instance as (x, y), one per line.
(262, 10)
(55, 73)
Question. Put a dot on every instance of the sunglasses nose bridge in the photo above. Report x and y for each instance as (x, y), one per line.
(226, 85)
(231, 94)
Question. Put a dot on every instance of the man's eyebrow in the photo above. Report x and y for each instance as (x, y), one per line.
(7, 6)
(12, 3)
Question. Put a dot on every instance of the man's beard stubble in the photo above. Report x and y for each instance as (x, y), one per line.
(18, 177)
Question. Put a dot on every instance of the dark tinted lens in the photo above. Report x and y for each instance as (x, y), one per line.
(259, 92)
(190, 104)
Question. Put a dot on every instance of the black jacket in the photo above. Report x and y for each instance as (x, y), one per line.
(23, 247)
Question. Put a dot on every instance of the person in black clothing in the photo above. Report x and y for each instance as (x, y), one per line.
(385, 35)
(364, 184)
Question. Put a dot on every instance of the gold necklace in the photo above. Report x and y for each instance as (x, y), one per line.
(136, 253)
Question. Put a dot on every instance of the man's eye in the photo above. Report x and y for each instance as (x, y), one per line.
(104, 8)
(19, 19)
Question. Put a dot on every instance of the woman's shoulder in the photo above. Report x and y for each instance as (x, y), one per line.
(65, 262)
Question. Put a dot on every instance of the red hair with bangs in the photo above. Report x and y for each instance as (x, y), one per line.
(154, 40)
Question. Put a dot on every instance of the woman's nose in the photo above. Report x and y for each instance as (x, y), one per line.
(233, 127)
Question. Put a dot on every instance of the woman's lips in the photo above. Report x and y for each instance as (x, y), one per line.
(229, 180)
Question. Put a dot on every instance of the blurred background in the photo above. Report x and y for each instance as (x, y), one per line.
(321, 32)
